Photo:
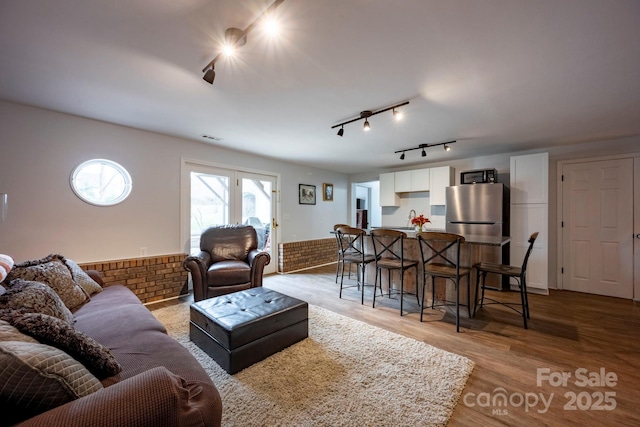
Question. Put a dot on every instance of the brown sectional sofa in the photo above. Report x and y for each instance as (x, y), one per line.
(161, 383)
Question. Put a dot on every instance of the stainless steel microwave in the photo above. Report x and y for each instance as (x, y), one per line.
(479, 176)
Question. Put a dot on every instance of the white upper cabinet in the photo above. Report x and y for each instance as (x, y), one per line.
(440, 179)
(402, 183)
(529, 178)
(388, 196)
(412, 181)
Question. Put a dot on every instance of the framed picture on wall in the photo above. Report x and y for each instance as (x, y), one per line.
(306, 194)
(327, 192)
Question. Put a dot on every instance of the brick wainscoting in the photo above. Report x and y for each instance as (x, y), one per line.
(294, 256)
(150, 278)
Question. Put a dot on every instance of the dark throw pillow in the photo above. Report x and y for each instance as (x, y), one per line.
(52, 331)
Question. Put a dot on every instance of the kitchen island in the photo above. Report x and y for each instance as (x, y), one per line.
(476, 248)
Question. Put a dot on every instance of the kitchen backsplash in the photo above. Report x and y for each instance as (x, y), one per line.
(393, 216)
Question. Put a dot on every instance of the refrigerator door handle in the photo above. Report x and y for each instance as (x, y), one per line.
(475, 222)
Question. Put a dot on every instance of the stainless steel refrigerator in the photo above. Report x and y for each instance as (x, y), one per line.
(478, 209)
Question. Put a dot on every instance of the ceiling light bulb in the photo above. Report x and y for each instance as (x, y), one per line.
(341, 131)
(228, 49)
(270, 26)
(424, 153)
(367, 126)
(397, 115)
(402, 156)
(447, 148)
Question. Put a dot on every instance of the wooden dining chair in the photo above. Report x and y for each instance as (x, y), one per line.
(352, 242)
(388, 246)
(440, 254)
(517, 273)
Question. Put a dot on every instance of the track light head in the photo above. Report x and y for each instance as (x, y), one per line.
(402, 156)
(446, 147)
(367, 126)
(210, 75)
(424, 153)
(341, 131)
(397, 115)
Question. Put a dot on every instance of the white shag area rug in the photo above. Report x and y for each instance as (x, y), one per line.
(347, 373)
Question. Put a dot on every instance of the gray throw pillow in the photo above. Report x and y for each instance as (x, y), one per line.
(89, 285)
(35, 297)
(52, 271)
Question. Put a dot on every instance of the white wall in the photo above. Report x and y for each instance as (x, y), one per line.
(40, 148)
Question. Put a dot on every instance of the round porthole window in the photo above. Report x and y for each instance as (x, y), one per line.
(101, 182)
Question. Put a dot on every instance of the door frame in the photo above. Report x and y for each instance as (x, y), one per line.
(560, 214)
(185, 201)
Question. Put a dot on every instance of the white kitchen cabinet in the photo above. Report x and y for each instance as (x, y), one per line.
(412, 181)
(388, 196)
(402, 183)
(440, 178)
(529, 194)
(529, 178)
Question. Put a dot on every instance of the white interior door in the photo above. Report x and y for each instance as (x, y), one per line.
(597, 233)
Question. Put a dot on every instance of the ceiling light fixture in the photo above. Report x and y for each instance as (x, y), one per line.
(234, 38)
(423, 147)
(397, 115)
(341, 131)
(210, 75)
(368, 113)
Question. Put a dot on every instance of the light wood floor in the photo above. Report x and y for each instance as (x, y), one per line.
(568, 331)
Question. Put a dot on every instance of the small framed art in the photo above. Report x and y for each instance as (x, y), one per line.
(306, 194)
(327, 192)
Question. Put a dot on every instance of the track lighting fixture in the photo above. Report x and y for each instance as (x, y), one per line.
(234, 38)
(397, 115)
(423, 147)
(368, 113)
(341, 131)
(210, 75)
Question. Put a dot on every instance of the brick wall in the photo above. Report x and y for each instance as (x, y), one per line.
(294, 256)
(150, 278)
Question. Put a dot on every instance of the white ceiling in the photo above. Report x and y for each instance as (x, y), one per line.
(495, 75)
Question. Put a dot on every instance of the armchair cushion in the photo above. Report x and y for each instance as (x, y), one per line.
(230, 272)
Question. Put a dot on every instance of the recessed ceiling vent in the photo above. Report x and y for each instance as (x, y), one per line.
(213, 138)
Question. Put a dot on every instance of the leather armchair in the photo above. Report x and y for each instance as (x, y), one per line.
(229, 261)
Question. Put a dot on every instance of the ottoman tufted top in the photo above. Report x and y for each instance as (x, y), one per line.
(236, 319)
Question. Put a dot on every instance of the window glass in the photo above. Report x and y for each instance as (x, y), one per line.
(101, 182)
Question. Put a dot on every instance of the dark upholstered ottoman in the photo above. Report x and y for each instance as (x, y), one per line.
(242, 328)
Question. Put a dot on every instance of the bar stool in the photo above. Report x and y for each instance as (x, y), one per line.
(340, 263)
(351, 240)
(441, 258)
(518, 273)
(388, 246)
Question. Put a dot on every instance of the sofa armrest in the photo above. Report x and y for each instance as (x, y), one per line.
(197, 265)
(152, 398)
(257, 261)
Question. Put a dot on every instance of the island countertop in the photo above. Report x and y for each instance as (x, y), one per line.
(474, 239)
